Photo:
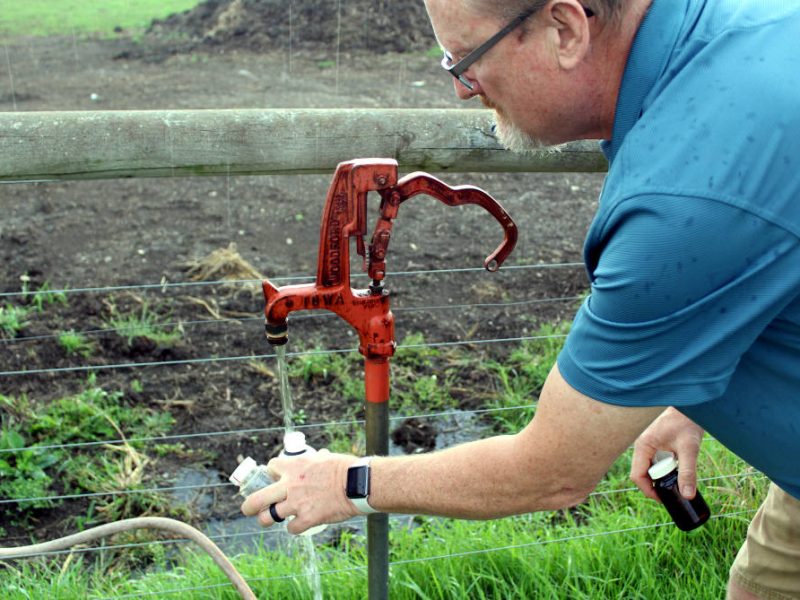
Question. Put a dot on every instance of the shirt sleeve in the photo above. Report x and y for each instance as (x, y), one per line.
(680, 288)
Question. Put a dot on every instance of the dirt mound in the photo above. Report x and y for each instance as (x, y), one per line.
(294, 25)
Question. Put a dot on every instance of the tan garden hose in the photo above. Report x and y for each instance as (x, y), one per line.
(171, 525)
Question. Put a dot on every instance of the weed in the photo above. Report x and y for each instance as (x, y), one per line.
(42, 297)
(176, 450)
(146, 324)
(300, 417)
(326, 64)
(91, 415)
(425, 393)
(342, 371)
(534, 358)
(422, 376)
(346, 438)
(120, 469)
(12, 320)
(22, 473)
(75, 343)
(414, 353)
(315, 365)
(523, 374)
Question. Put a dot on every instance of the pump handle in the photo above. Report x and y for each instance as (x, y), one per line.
(423, 183)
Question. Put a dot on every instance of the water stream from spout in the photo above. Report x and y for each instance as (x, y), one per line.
(305, 543)
(286, 392)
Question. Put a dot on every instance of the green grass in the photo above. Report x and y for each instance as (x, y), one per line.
(434, 52)
(616, 548)
(79, 17)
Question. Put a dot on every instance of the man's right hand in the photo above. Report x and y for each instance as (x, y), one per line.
(674, 432)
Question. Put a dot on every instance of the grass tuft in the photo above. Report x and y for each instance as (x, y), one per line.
(13, 319)
(75, 343)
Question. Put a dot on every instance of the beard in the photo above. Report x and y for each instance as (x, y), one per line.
(512, 137)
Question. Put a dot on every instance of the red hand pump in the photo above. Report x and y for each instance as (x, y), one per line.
(367, 310)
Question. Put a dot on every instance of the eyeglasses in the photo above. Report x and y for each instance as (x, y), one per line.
(457, 70)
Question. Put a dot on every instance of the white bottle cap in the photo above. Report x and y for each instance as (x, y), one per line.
(662, 467)
(294, 442)
(242, 471)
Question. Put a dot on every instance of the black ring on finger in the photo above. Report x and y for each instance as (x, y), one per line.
(274, 514)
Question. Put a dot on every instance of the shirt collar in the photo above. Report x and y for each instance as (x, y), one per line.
(648, 57)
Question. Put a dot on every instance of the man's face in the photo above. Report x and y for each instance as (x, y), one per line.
(519, 77)
(460, 31)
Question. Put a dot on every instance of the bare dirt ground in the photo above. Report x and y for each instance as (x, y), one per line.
(131, 232)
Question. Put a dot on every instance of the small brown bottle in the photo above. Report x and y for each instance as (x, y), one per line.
(687, 514)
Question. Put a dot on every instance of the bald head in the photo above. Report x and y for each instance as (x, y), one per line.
(607, 10)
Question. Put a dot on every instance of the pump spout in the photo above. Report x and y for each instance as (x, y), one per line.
(279, 304)
(277, 333)
(365, 310)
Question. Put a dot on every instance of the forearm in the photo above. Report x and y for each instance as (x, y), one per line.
(485, 479)
(554, 462)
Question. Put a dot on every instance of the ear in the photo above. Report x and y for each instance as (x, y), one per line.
(572, 32)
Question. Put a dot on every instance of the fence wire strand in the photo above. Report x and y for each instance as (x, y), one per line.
(274, 429)
(307, 426)
(207, 360)
(298, 317)
(204, 486)
(165, 285)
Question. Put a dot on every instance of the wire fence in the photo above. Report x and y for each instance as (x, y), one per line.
(165, 287)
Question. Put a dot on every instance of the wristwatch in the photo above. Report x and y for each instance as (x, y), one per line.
(357, 488)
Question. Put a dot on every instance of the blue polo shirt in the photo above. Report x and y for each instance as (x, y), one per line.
(694, 253)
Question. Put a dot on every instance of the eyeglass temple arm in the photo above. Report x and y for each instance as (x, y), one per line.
(467, 61)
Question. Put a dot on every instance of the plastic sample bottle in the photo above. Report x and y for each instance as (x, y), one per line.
(251, 477)
(687, 514)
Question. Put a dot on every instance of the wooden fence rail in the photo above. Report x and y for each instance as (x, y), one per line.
(37, 146)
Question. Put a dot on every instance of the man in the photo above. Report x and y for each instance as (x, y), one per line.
(693, 256)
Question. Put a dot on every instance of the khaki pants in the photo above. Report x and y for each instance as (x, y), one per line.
(768, 563)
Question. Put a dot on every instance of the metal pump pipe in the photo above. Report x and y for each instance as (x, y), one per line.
(367, 310)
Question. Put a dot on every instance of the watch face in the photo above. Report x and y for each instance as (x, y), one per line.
(358, 482)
